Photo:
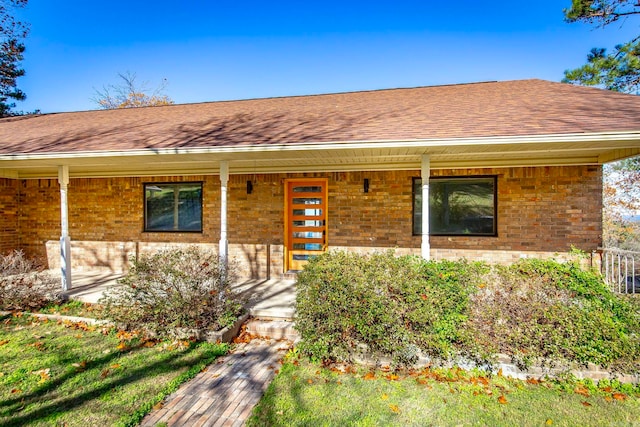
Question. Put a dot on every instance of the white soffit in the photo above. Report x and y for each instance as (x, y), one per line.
(545, 150)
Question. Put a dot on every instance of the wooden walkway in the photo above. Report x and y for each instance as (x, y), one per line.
(226, 392)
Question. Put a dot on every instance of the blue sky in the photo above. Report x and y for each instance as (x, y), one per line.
(212, 51)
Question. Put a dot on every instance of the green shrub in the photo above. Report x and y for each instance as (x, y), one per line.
(399, 307)
(171, 289)
(391, 306)
(23, 284)
(543, 309)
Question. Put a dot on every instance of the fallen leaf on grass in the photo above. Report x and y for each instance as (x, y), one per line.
(38, 345)
(310, 381)
(585, 403)
(350, 369)
(122, 346)
(116, 366)
(392, 377)
(582, 391)
(385, 396)
(16, 390)
(394, 409)
(369, 376)
(44, 374)
(549, 421)
(3, 342)
(124, 335)
(104, 374)
(158, 406)
(500, 372)
(608, 399)
(533, 381)
(80, 366)
(483, 380)
(503, 400)
(619, 396)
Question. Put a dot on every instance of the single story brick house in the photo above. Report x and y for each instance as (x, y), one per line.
(511, 169)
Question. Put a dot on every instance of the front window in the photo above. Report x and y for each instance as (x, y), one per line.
(457, 206)
(173, 206)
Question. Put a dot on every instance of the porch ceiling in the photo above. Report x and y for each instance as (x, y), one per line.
(540, 150)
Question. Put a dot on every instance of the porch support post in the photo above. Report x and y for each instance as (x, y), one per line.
(65, 240)
(425, 171)
(224, 244)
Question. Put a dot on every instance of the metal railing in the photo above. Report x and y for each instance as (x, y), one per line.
(621, 270)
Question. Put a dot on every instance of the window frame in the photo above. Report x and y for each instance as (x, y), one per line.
(146, 229)
(458, 178)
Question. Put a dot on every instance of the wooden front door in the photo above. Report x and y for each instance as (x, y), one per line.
(305, 221)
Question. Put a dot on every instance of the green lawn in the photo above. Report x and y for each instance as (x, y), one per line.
(306, 394)
(72, 374)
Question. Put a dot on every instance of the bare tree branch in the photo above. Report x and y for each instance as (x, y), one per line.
(130, 94)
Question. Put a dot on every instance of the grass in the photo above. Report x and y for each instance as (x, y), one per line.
(73, 374)
(304, 394)
(73, 308)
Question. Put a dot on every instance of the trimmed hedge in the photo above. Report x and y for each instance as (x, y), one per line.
(403, 306)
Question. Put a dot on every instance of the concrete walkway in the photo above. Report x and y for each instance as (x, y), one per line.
(224, 394)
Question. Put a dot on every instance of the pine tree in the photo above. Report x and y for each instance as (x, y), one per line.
(619, 70)
(12, 32)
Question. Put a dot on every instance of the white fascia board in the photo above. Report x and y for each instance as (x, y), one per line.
(631, 136)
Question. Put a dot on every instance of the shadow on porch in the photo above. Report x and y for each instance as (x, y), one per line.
(267, 299)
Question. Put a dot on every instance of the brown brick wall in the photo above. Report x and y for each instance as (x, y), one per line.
(545, 209)
(540, 211)
(8, 215)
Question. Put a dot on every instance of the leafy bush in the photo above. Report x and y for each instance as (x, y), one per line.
(171, 289)
(400, 307)
(388, 305)
(543, 309)
(24, 286)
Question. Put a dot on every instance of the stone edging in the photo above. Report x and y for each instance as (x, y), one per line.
(508, 368)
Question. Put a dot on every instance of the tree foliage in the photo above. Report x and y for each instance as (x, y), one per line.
(601, 12)
(621, 205)
(618, 70)
(12, 32)
(130, 94)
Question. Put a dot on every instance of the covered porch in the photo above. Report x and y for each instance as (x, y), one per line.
(266, 299)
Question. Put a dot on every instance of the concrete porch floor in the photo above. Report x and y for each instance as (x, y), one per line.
(267, 299)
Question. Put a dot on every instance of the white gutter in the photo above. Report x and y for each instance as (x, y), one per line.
(631, 136)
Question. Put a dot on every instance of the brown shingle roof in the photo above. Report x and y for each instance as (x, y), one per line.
(512, 108)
